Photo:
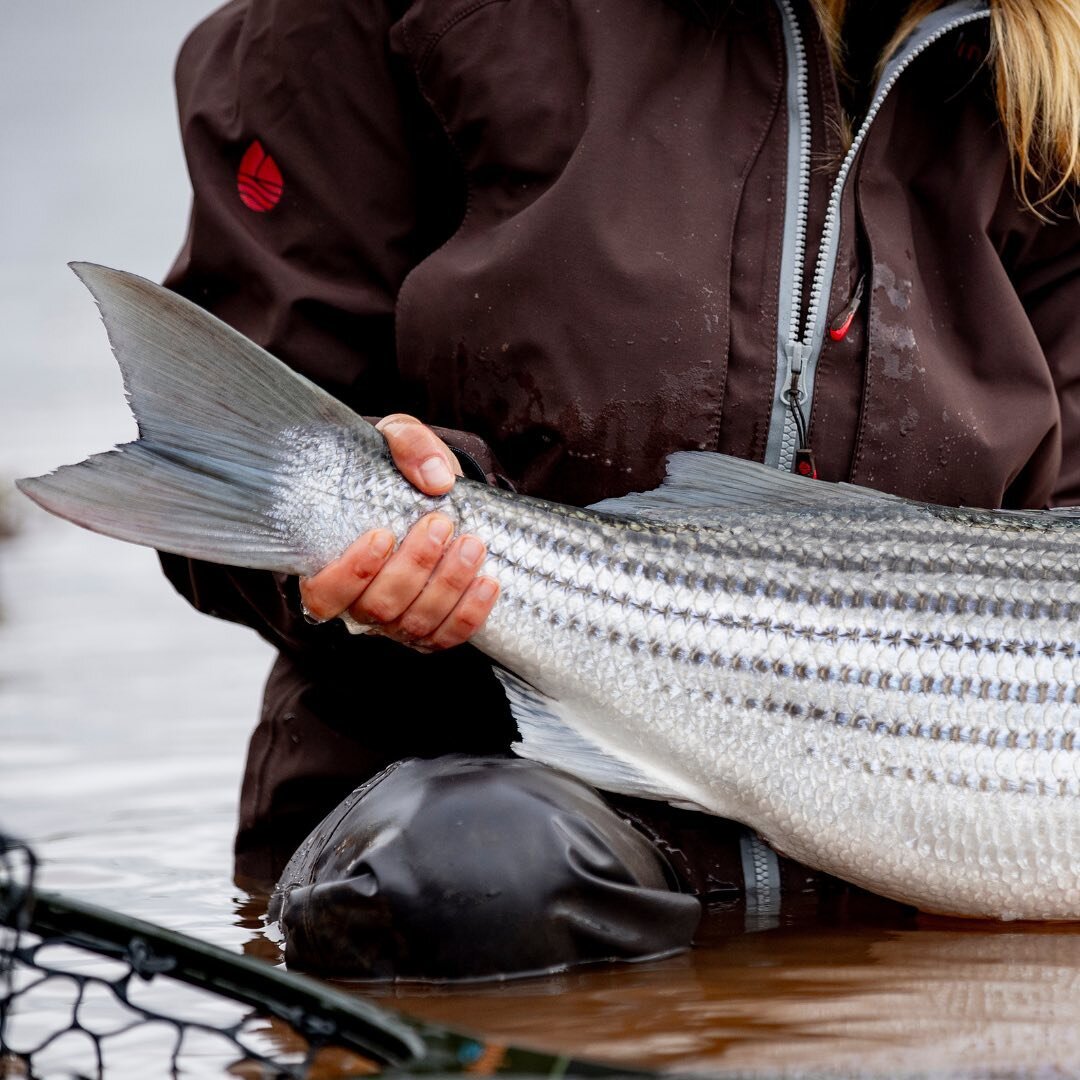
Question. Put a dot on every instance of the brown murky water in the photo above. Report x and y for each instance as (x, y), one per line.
(123, 716)
(863, 1000)
(930, 997)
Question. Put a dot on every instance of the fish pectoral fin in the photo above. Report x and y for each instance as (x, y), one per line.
(549, 735)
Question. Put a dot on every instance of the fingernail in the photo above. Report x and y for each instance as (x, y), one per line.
(381, 543)
(486, 589)
(471, 550)
(439, 530)
(436, 473)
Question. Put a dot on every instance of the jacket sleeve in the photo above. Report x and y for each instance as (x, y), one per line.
(319, 180)
(1048, 281)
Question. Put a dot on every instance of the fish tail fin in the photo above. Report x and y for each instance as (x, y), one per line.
(214, 413)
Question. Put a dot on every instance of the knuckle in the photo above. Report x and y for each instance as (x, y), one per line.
(377, 609)
(315, 586)
(421, 557)
(413, 627)
(456, 577)
(364, 569)
(468, 619)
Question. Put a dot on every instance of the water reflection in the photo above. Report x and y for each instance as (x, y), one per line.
(249, 913)
(910, 995)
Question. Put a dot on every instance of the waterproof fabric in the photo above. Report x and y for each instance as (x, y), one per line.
(558, 227)
(466, 867)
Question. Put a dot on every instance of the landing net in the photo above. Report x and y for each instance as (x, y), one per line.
(87, 992)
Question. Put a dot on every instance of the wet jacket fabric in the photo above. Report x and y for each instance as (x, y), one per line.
(561, 229)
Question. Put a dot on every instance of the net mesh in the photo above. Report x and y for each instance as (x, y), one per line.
(84, 992)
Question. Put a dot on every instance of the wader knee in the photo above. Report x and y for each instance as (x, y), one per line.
(464, 867)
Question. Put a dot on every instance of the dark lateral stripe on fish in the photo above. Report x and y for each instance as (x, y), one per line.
(956, 778)
(954, 734)
(746, 583)
(991, 566)
(999, 564)
(946, 734)
(966, 687)
(824, 597)
(899, 640)
(986, 562)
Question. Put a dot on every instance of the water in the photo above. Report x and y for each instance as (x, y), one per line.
(933, 997)
(124, 715)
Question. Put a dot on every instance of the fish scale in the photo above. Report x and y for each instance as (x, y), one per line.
(962, 729)
(884, 690)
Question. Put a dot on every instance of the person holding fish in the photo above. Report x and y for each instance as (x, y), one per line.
(836, 237)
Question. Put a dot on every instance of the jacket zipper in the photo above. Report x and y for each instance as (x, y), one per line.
(800, 339)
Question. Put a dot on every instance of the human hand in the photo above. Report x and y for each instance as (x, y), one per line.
(425, 591)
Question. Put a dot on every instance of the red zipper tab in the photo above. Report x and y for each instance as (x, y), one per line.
(804, 463)
(842, 323)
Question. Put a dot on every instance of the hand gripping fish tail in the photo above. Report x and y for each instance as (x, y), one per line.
(885, 690)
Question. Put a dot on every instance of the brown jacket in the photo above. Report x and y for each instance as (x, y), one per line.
(572, 229)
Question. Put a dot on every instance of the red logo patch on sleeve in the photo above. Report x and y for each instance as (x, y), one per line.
(258, 180)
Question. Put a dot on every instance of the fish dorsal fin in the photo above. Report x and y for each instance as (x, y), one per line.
(1063, 515)
(699, 484)
(549, 735)
(700, 487)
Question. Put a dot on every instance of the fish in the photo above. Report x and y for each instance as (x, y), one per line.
(885, 690)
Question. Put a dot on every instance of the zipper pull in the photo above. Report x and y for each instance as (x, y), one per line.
(793, 396)
(842, 323)
(804, 462)
(804, 457)
(797, 354)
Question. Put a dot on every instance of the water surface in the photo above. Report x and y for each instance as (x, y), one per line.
(822, 996)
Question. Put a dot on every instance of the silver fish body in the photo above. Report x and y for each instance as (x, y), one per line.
(884, 690)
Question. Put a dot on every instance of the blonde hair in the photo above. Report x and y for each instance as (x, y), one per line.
(1035, 54)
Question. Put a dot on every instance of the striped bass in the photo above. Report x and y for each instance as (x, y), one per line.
(884, 690)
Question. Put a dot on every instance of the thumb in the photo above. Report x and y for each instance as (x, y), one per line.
(421, 456)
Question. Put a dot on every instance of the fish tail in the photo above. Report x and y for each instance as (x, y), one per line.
(213, 411)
